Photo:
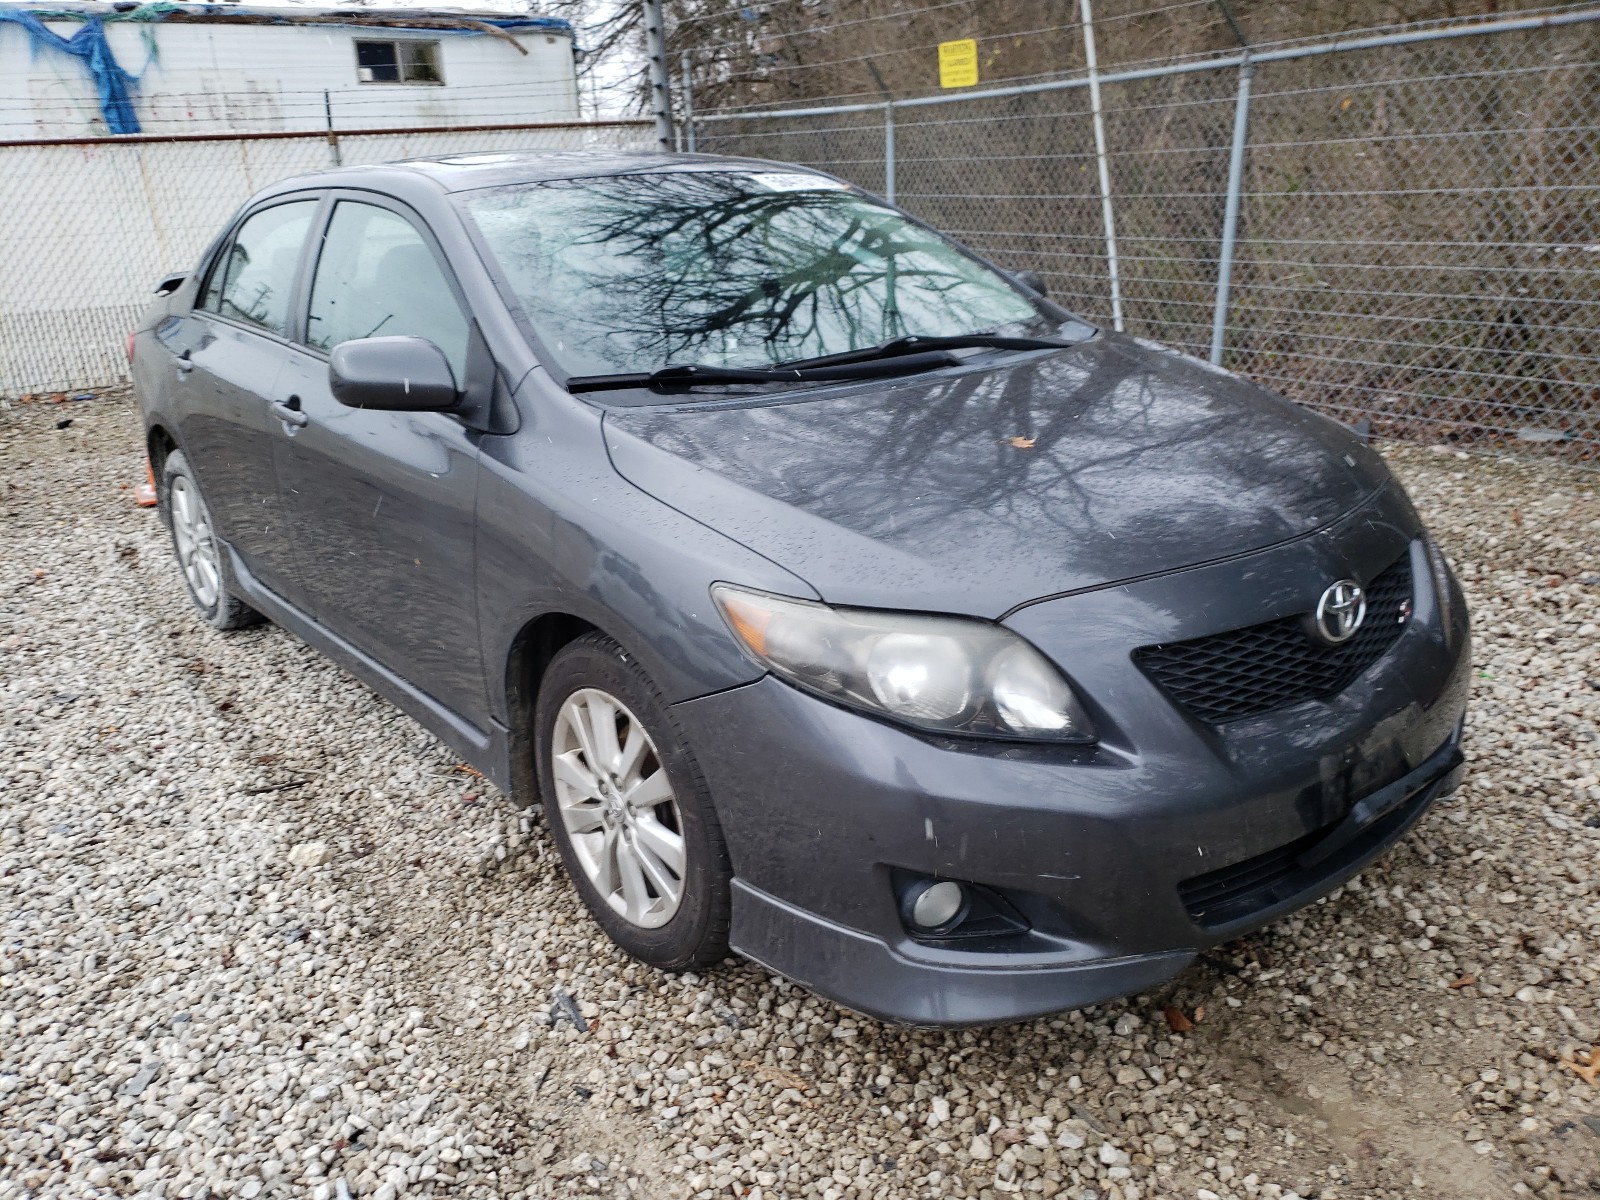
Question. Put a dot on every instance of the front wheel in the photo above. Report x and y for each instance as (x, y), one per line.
(629, 810)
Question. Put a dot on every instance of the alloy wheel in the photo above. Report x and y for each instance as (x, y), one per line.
(618, 807)
(196, 544)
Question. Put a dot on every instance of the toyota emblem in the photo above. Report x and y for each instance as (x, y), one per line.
(1340, 612)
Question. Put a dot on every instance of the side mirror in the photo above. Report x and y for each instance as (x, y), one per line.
(399, 374)
(1033, 281)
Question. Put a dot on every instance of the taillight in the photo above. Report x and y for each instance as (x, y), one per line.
(131, 336)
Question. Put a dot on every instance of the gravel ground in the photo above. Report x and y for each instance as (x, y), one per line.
(263, 937)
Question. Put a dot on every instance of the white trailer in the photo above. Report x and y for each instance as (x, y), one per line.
(191, 68)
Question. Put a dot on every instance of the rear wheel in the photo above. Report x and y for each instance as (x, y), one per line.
(629, 810)
(195, 545)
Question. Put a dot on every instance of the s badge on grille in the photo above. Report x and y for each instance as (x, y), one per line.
(1339, 613)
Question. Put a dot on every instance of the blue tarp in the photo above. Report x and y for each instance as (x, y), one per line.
(113, 83)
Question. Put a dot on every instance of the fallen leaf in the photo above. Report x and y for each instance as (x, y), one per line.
(1464, 981)
(1344, 105)
(466, 770)
(1589, 1069)
(1516, 517)
(1022, 443)
(1176, 1021)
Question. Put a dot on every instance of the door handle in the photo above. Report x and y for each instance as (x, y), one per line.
(288, 411)
(184, 363)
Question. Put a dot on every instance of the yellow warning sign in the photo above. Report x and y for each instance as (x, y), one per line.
(958, 63)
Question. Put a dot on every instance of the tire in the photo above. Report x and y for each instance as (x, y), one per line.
(201, 560)
(598, 830)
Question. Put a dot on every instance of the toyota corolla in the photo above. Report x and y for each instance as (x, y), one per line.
(845, 602)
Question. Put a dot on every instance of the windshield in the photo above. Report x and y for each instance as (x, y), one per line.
(729, 269)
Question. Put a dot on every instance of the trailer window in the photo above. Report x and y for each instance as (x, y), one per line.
(398, 62)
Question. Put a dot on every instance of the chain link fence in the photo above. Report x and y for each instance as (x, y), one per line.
(92, 223)
(1416, 220)
(1416, 228)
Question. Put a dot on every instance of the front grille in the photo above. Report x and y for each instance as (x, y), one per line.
(1246, 672)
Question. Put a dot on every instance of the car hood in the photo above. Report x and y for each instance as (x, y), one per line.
(982, 488)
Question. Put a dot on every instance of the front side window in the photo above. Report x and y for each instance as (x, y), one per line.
(255, 275)
(729, 269)
(404, 61)
(377, 277)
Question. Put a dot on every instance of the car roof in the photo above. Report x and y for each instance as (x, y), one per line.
(498, 168)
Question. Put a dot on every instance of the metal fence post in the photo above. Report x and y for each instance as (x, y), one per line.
(688, 105)
(1230, 212)
(1105, 171)
(655, 43)
(888, 152)
(333, 138)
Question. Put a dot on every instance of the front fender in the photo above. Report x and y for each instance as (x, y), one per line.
(559, 531)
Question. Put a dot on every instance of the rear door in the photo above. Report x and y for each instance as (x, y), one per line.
(227, 354)
(382, 502)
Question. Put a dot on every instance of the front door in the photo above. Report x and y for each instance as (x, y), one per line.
(382, 502)
(228, 353)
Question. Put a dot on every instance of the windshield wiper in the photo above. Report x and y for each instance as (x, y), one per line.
(913, 343)
(690, 375)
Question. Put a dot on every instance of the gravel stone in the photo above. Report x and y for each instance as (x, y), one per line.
(186, 1011)
(310, 854)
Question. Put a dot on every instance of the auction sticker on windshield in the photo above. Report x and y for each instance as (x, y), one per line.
(796, 181)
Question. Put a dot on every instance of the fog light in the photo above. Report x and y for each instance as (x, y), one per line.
(948, 910)
(935, 905)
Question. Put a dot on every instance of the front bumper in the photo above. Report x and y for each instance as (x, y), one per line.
(1126, 858)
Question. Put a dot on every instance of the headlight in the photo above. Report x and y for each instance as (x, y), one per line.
(943, 674)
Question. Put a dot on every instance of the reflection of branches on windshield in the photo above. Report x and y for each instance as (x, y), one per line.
(694, 266)
(752, 265)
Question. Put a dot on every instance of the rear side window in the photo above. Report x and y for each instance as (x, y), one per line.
(253, 280)
(378, 277)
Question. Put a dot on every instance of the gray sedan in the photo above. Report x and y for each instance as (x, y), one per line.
(845, 602)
